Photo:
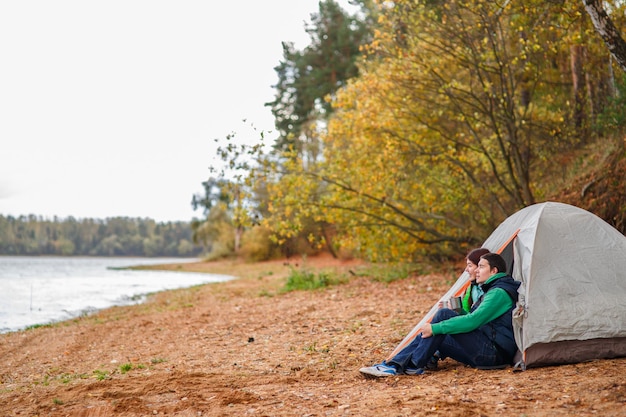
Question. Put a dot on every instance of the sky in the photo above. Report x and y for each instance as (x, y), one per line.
(112, 108)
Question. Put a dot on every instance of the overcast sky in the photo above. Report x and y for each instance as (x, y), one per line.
(111, 108)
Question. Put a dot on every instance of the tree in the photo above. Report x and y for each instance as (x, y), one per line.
(461, 114)
(607, 30)
(307, 80)
(307, 77)
(228, 196)
(451, 125)
(117, 236)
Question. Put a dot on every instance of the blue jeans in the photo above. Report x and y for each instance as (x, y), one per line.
(474, 348)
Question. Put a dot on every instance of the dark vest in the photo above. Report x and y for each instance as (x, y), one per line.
(500, 330)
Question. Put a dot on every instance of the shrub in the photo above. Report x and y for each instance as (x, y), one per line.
(257, 245)
(306, 280)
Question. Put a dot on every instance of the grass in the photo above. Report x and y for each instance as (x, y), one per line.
(126, 367)
(37, 326)
(101, 375)
(304, 280)
(388, 272)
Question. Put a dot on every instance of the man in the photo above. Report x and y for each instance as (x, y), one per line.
(483, 338)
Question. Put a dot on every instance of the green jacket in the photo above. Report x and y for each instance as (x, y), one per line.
(472, 294)
(495, 303)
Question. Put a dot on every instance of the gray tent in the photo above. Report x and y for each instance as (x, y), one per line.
(572, 266)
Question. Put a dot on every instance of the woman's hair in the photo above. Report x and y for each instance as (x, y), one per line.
(495, 261)
(475, 254)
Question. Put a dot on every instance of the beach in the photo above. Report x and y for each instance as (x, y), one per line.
(244, 347)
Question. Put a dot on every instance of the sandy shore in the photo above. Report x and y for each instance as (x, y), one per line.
(245, 348)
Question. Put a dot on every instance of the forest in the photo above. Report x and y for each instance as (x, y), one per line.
(116, 236)
(413, 128)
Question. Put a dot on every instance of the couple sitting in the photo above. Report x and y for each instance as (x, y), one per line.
(481, 338)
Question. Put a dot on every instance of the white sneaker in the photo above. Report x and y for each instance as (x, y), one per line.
(379, 370)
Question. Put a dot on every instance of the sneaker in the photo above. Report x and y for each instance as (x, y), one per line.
(379, 370)
(432, 363)
(413, 371)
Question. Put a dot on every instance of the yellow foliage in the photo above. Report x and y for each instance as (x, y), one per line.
(441, 135)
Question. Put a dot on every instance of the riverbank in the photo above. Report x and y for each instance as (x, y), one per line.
(243, 347)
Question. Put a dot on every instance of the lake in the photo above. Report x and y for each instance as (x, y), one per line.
(42, 290)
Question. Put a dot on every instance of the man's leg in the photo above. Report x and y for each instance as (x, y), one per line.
(474, 349)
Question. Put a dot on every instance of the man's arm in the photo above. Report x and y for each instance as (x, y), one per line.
(495, 303)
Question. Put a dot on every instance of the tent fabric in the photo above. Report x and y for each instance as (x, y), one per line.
(572, 268)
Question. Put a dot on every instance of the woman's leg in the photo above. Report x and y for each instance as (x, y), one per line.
(411, 356)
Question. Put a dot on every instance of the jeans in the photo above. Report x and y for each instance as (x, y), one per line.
(474, 348)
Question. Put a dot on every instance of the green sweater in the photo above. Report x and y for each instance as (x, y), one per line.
(472, 294)
(495, 303)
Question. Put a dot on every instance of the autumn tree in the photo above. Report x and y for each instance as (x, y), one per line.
(451, 126)
(308, 79)
(214, 229)
(461, 114)
(228, 198)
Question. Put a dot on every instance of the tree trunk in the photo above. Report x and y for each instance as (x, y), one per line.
(607, 30)
(328, 239)
(238, 235)
(576, 62)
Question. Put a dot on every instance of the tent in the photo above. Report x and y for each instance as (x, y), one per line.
(572, 268)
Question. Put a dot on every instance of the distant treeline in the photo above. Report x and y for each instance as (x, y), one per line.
(116, 236)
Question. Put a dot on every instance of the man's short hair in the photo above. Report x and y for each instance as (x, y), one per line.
(495, 261)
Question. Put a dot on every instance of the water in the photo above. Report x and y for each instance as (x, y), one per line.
(41, 290)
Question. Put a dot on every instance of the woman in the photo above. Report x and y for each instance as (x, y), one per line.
(473, 292)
